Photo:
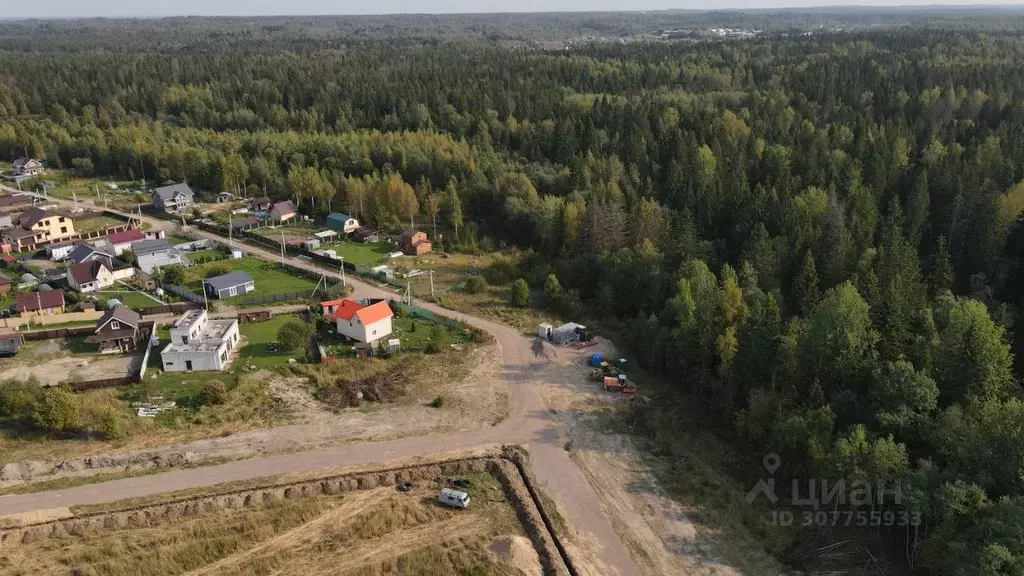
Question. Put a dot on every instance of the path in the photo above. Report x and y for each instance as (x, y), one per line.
(527, 423)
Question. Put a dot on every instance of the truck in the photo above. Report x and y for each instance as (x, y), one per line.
(619, 384)
(453, 498)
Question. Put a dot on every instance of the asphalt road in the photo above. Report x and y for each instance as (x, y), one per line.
(528, 423)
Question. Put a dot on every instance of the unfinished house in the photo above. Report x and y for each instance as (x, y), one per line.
(198, 343)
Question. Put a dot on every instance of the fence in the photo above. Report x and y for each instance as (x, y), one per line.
(181, 291)
(33, 318)
(328, 292)
(174, 308)
(58, 333)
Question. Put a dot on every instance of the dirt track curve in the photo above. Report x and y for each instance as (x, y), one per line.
(528, 423)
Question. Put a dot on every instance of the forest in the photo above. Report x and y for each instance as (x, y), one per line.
(827, 228)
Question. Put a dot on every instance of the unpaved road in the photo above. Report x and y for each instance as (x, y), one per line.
(528, 422)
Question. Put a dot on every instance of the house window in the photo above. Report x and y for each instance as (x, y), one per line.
(61, 219)
(63, 229)
(114, 325)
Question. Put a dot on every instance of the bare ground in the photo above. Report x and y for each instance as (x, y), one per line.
(660, 533)
(479, 400)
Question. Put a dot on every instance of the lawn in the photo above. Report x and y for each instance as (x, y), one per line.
(130, 298)
(269, 277)
(259, 336)
(175, 240)
(97, 223)
(206, 255)
(369, 254)
(294, 230)
(95, 191)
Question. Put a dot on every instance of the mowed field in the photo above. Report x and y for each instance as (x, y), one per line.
(378, 531)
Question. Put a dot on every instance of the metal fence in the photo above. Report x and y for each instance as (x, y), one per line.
(181, 291)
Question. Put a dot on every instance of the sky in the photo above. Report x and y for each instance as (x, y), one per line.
(152, 8)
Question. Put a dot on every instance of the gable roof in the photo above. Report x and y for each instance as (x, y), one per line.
(15, 199)
(171, 190)
(345, 309)
(123, 314)
(374, 312)
(30, 217)
(286, 207)
(36, 300)
(83, 252)
(85, 272)
(151, 246)
(225, 281)
(125, 236)
(339, 216)
(261, 200)
(407, 234)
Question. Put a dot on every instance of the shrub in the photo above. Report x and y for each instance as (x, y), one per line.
(212, 393)
(294, 335)
(110, 424)
(174, 275)
(500, 271)
(552, 288)
(437, 402)
(58, 410)
(17, 398)
(475, 284)
(218, 270)
(520, 293)
(432, 347)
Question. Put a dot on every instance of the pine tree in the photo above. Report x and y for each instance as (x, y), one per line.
(806, 291)
(942, 270)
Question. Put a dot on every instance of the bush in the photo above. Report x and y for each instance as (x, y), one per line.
(174, 275)
(552, 289)
(294, 335)
(218, 270)
(110, 424)
(437, 402)
(58, 410)
(520, 293)
(212, 393)
(432, 347)
(18, 398)
(501, 271)
(475, 284)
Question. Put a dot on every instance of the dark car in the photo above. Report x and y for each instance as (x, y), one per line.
(405, 486)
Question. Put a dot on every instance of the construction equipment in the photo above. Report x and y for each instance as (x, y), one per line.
(619, 384)
(604, 370)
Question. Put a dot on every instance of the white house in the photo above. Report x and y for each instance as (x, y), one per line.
(26, 166)
(359, 322)
(154, 254)
(198, 343)
(60, 251)
(90, 276)
(173, 198)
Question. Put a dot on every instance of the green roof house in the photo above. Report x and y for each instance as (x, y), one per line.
(342, 223)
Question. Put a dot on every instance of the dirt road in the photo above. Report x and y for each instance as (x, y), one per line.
(529, 422)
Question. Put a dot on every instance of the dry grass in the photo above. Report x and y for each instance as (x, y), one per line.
(380, 531)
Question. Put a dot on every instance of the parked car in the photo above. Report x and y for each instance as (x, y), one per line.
(453, 498)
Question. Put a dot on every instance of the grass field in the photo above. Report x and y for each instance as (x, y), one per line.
(258, 337)
(294, 230)
(378, 531)
(359, 253)
(95, 190)
(269, 277)
(97, 223)
(130, 298)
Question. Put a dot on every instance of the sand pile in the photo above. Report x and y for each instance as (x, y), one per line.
(518, 553)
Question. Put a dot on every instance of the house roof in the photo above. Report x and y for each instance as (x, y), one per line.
(364, 231)
(83, 251)
(17, 233)
(339, 216)
(261, 200)
(345, 310)
(374, 312)
(225, 281)
(84, 272)
(56, 245)
(171, 190)
(245, 222)
(30, 217)
(35, 300)
(123, 314)
(407, 234)
(151, 246)
(125, 237)
(286, 207)
(14, 199)
(4, 280)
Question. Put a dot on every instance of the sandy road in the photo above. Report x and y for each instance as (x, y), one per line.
(527, 423)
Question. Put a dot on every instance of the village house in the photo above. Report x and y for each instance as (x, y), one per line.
(261, 204)
(46, 302)
(365, 234)
(10, 342)
(83, 252)
(59, 251)
(342, 223)
(230, 284)
(90, 276)
(360, 322)
(283, 211)
(198, 343)
(414, 242)
(118, 330)
(27, 167)
(121, 241)
(154, 254)
(173, 198)
(37, 225)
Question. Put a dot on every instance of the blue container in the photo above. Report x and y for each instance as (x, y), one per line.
(596, 359)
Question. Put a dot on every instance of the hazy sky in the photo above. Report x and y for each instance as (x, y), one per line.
(114, 8)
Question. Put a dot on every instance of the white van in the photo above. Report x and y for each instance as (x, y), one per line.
(453, 498)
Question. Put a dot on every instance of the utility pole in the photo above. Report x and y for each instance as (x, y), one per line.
(74, 195)
(282, 246)
(343, 283)
(230, 228)
(431, 284)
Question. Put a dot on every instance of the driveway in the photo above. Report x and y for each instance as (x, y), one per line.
(527, 423)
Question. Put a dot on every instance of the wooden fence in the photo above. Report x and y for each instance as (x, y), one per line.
(58, 333)
(173, 308)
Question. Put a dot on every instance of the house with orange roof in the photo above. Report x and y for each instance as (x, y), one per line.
(360, 322)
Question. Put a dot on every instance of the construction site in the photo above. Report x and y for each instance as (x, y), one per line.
(368, 522)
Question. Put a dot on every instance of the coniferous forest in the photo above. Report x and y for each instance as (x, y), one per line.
(818, 237)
